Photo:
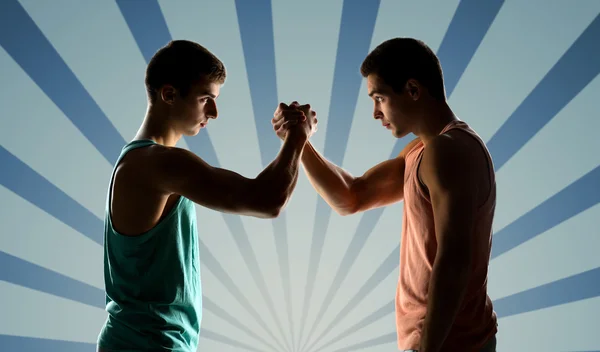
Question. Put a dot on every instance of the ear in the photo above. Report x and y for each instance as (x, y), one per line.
(167, 94)
(413, 88)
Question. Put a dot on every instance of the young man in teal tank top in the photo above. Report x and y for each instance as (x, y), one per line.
(151, 260)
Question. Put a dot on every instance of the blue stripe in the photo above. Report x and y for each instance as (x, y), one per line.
(383, 339)
(139, 14)
(571, 289)
(202, 146)
(212, 264)
(11, 343)
(365, 226)
(234, 223)
(27, 45)
(356, 30)
(33, 187)
(256, 29)
(23, 273)
(465, 33)
(387, 309)
(575, 69)
(255, 20)
(388, 265)
(569, 202)
(316, 249)
(26, 274)
(208, 334)
(471, 22)
(149, 28)
(572, 200)
(283, 258)
(213, 307)
(146, 21)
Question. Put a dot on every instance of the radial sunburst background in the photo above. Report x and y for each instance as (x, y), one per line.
(523, 73)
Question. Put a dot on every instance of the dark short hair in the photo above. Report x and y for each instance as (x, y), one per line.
(182, 63)
(397, 60)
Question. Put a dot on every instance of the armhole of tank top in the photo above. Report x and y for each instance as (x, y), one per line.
(422, 187)
(178, 204)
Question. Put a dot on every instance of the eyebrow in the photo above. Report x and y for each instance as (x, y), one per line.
(373, 92)
(209, 94)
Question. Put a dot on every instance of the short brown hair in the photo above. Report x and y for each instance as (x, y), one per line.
(181, 63)
(397, 60)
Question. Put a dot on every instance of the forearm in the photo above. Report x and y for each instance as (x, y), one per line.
(447, 289)
(331, 182)
(280, 176)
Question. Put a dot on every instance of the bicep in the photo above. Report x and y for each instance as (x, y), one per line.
(380, 186)
(181, 172)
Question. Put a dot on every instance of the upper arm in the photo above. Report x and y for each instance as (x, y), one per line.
(383, 184)
(450, 173)
(178, 171)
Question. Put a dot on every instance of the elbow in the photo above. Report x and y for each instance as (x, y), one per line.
(350, 207)
(274, 206)
(273, 212)
(348, 204)
(344, 211)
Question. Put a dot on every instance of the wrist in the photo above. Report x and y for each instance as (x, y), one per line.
(297, 136)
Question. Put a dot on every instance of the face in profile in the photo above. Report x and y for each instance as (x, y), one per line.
(396, 111)
(192, 112)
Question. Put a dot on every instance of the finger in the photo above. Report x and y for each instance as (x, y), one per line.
(277, 125)
(286, 126)
(289, 116)
(294, 104)
(294, 115)
(280, 108)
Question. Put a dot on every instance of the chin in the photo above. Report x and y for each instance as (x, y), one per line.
(399, 133)
(192, 132)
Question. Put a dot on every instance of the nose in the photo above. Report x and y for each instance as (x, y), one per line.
(211, 109)
(377, 114)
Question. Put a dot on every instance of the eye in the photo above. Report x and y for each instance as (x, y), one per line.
(378, 99)
(204, 100)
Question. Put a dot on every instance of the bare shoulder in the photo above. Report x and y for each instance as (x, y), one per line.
(150, 166)
(453, 158)
(407, 148)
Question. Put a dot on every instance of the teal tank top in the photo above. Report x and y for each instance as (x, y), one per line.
(153, 289)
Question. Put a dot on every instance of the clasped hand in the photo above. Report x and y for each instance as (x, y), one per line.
(294, 116)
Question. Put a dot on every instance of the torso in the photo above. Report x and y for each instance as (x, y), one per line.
(477, 321)
(151, 261)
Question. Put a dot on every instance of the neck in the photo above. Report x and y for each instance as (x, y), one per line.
(435, 117)
(157, 128)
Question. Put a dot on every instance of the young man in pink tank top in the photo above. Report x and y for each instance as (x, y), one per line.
(446, 178)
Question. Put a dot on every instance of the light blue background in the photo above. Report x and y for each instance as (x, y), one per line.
(523, 73)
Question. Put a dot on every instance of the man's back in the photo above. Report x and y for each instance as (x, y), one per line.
(475, 323)
(152, 275)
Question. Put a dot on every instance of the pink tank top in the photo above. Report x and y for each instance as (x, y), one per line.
(476, 322)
